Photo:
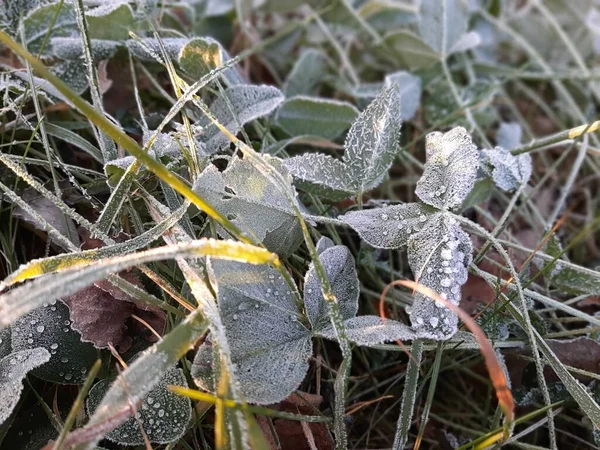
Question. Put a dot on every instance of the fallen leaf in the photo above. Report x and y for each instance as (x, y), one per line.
(104, 82)
(102, 312)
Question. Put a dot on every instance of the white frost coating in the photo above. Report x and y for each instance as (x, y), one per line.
(270, 346)
(5, 347)
(450, 169)
(321, 175)
(371, 146)
(371, 330)
(253, 203)
(339, 266)
(49, 327)
(388, 227)
(507, 170)
(71, 48)
(163, 414)
(374, 139)
(13, 369)
(247, 103)
(164, 144)
(149, 48)
(323, 244)
(438, 256)
(509, 135)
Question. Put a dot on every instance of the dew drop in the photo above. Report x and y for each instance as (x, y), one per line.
(433, 321)
(40, 329)
(54, 346)
(384, 217)
(446, 282)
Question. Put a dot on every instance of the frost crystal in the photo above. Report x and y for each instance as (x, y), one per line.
(13, 369)
(450, 169)
(438, 256)
(371, 146)
(388, 227)
(371, 330)
(507, 170)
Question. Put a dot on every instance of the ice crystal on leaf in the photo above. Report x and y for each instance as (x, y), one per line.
(439, 251)
(269, 334)
(507, 170)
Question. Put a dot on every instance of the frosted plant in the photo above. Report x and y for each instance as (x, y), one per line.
(371, 146)
(252, 202)
(268, 331)
(49, 327)
(13, 369)
(439, 251)
(236, 107)
(507, 170)
(163, 415)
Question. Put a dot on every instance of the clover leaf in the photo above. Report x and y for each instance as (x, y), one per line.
(269, 334)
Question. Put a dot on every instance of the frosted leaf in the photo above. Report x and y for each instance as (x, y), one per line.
(50, 327)
(371, 146)
(466, 42)
(247, 102)
(149, 48)
(321, 175)
(72, 74)
(450, 169)
(110, 21)
(410, 92)
(307, 73)
(4, 342)
(509, 135)
(374, 140)
(29, 430)
(507, 170)
(71, 48)
(371, 330)
(163, 415)
(202, 367)
(13, 369)
(438, 256)
(49, 212)
(253, 203)
(164, 144)
(317, 116)
(36, 23)
(442, 24)
(339, 266)
(324, 244)
(270, 346)
(390, 226)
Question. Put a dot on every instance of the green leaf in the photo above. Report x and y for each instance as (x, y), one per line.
(407, 50)
(13, 369)
(371, 146)
(71, 48)
(307, 73)
(236, 107)
(36, 23)
(111, 21)
(200, 55)
(480, 193)
(315, 116)
(49, 327)
(270, 346)
(443, 26)
(253, 203)
(163, 415)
